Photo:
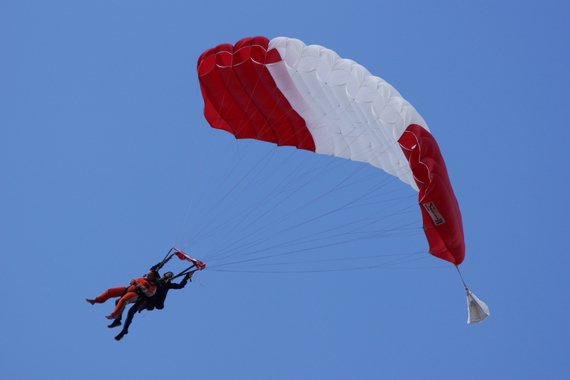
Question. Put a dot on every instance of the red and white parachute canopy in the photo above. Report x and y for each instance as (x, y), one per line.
(288, 93)
(285, 92)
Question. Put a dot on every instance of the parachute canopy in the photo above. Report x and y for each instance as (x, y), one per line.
(291, 94)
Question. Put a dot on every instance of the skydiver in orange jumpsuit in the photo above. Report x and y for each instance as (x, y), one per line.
(142, 286)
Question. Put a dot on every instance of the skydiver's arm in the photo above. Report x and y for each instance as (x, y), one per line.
(156, 267)
(180, 285)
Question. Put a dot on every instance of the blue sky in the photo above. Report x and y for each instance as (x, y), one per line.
(107, 161)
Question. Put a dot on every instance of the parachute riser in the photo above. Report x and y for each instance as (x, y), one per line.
(167, 257)
(186, 271)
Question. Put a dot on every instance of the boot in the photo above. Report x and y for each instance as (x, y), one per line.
(115, 323)
(121, 335)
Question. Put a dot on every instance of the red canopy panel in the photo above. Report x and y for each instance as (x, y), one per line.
(440, 211)
(241, 97)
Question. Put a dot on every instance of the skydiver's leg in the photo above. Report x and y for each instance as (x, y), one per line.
(109, 293)
(128, 298)
(117, 321)
(130, 315)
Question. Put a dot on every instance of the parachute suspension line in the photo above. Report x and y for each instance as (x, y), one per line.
(291, 252)
(325, 235)
(240, 218)
(317, 260)
(461, 277)
(293, 248)
(259, 231)
(315, 240)
(313, 237)
(200, 209)
(231, 190)
(391, 200)
(400, 258)
(270, 208)
(204, 227)
(352, 235)
(293, 182)
(298, 250)
(342, 207)
(193, 204)
(279, 186)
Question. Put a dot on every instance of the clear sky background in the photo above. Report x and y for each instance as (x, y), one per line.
(106, 162)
